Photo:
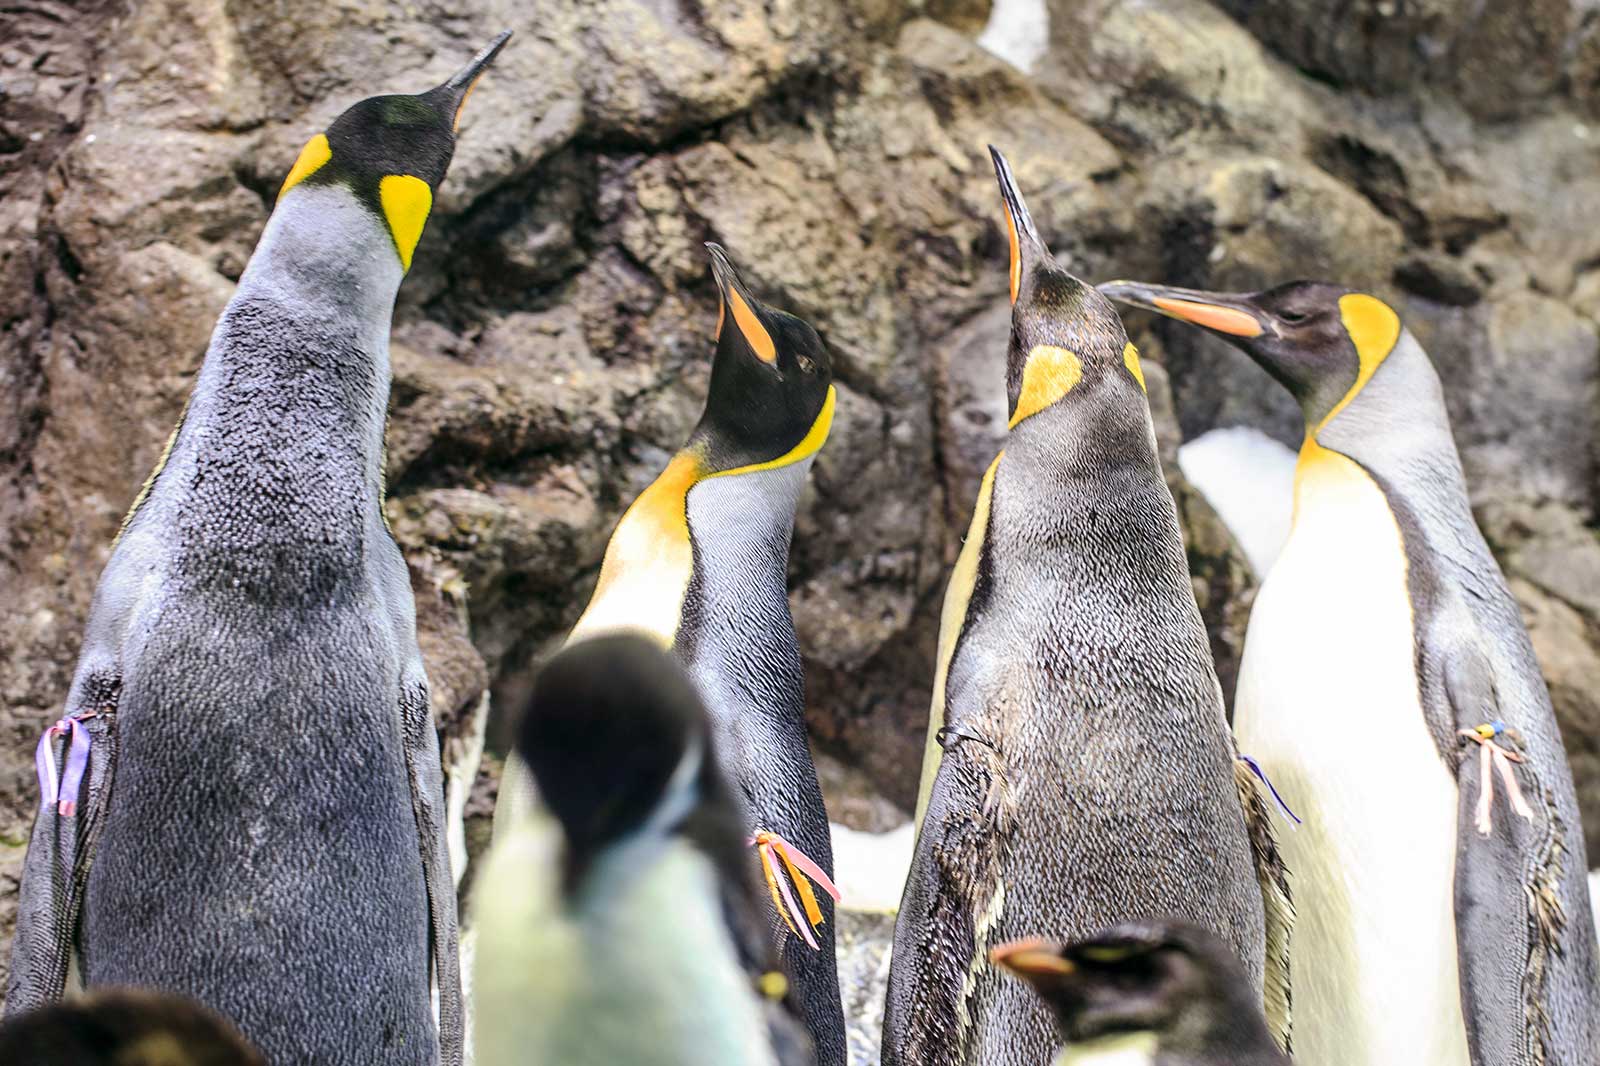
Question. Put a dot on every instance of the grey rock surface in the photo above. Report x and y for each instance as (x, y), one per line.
(553, 340)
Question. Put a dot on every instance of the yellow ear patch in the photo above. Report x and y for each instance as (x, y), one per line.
(1049, 374)
(755, 334)
(1016, 257)
(1130, 359)
(312, 157)
(406, 202)
(1374, 328)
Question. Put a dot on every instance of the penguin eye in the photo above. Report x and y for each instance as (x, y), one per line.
(806, 364)
(1293, 318)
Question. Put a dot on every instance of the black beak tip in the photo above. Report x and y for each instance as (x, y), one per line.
(475, 66)
(721, 266)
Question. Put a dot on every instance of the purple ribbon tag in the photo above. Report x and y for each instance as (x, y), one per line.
(1255, 768)
(65, 799)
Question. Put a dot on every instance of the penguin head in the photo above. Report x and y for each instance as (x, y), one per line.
(124, 1027)
(1322, 342)
(771, 397)
(391, 152)
(1062, 330)
(621, 748)
(1164, 977)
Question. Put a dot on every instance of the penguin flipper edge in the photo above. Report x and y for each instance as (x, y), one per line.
(1277, 906)
(953, 896)
(56, 869)
(1508, 871)
(427, 802)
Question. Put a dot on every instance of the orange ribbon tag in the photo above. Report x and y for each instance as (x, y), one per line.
(797, 867)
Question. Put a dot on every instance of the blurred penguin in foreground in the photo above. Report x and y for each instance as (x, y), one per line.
(1153, 993)
(124, 1028)
(619, 922)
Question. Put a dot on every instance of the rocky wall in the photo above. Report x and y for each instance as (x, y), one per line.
(553, 340)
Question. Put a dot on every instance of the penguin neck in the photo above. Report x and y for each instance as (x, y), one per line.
(332, 261)
(305, 339)
(1396, 428)
(284, 429)
(1085, 443)
(743, 520)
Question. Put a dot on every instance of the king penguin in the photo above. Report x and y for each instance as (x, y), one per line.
(1389, 688)
(1079, 769)
(1152, 993)
(617, 919)
(699, 564)
(124, 1027)
(249, 810)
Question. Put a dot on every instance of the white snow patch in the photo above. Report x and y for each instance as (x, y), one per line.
(1018, 31)
(1249, 479)
(870, 868)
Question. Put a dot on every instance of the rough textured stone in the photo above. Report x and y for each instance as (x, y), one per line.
(1496, 57)
(553, 339)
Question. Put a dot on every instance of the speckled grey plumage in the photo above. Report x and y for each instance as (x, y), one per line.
(737, 640)
(1108, 792)
(1087, 775)
(273, 829)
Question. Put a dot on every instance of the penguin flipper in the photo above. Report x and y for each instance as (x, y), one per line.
(56, 869)
(1277, 999)
(1509, 866)
(953, 897)
(427, 803)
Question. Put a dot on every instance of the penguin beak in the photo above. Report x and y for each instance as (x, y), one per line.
(1027, 247)
(1220, 312)
(738, 304)
(1032, 958)
(451, 97)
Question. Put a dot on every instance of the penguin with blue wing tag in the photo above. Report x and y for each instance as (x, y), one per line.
(1390, 689)
(1079, 769)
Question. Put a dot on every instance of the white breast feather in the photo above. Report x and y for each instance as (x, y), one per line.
(1328, 702)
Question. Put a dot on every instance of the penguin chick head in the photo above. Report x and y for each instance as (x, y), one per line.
(124, 1027)
(1062, 330)
(1322, 342)
(771, 397)
(391, 152)
(1164, 977)
(621, 749)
